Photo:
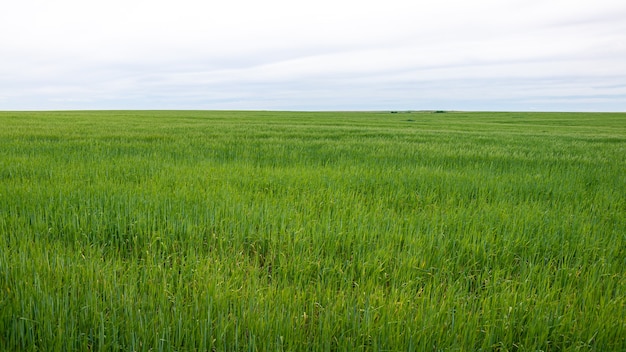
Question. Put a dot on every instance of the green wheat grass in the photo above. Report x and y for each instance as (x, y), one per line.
(289, 231)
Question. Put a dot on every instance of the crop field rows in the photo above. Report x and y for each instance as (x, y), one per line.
(263, 231)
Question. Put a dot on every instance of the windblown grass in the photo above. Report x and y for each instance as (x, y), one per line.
(265, 231)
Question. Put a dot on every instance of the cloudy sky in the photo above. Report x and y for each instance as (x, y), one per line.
(546, 55)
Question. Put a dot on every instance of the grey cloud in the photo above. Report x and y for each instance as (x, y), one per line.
(452, 55)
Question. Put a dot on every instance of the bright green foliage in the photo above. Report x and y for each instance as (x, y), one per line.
(265, 231)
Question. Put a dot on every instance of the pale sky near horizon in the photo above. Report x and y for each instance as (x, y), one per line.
(515, 55)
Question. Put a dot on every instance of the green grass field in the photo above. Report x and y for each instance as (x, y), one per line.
(289, 231)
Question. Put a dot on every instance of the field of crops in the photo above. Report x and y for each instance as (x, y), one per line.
(265, 231)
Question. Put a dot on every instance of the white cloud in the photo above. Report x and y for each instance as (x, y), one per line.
(317, 55)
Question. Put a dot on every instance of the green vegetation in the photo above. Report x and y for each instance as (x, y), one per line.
(265, 231)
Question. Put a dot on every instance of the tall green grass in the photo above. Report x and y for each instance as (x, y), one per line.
(258, 231)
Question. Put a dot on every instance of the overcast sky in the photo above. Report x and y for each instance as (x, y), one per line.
(544, 55)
